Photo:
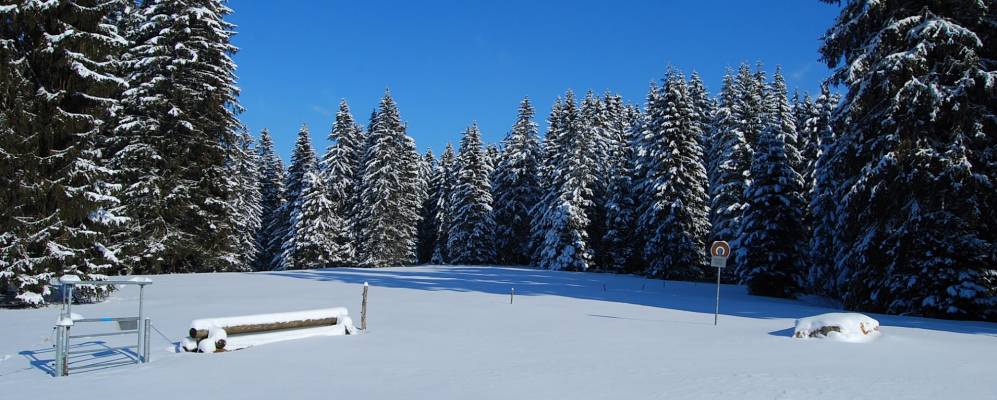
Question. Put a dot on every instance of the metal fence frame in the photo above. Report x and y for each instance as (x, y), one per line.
(66, 321)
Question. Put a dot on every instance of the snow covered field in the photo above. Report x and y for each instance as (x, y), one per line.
(450, 333)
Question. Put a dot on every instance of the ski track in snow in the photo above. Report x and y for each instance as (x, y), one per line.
(450, 333)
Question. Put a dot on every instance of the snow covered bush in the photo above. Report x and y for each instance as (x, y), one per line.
(844, 327)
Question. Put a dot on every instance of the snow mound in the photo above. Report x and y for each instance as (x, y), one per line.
(844, 327)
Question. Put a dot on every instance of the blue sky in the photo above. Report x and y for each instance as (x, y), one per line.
(448, 63)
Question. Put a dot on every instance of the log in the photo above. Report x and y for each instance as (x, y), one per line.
(199, 334)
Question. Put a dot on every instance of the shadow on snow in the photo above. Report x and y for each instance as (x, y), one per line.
(684, 296)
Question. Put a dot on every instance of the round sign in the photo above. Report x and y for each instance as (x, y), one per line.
(720, 249)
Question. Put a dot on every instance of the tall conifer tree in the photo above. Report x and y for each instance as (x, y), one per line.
(303, 162)
(472, 230)
(271, 188)
(914, 154)
(391, 191)
(675, 220)
(560, 224)
(441, 195)
(58, 86)
(516, 188)
(770, 251)
(341, 171)
(180, 128)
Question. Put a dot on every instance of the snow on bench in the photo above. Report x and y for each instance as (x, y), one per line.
(845, 327)
(210, 335)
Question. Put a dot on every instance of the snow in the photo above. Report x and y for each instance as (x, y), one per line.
(450, 333)
(209, 323)
(208, 344)
(257, 339)
(845, 327)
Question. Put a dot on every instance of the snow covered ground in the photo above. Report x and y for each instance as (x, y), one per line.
(450, 333)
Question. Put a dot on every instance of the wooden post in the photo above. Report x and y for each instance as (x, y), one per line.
(512, 294)
(363, 309)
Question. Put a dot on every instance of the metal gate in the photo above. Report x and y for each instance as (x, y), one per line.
(128, 325)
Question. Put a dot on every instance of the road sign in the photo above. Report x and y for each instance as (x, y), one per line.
(720, 248)
(719, 251)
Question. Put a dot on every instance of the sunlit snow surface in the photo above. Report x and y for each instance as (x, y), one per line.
(450, 333)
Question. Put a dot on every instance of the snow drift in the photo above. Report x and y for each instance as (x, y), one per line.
(845, 327)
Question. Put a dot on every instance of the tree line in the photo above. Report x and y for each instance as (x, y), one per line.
(122, 152)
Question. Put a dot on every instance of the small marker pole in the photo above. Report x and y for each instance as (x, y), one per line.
(512, 294)
(363, 309)
(719, 251)
(716, 315)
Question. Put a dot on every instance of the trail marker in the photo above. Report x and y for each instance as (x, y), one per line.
(363, 309)
(719, 251)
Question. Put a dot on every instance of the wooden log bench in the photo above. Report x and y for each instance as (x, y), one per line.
(216, 331)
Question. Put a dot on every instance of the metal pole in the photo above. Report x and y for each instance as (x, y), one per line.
(363, 309)
(69, 299)
(145, 344)
(141, 325)
(60, 352)
(512, 294)
(716, 315)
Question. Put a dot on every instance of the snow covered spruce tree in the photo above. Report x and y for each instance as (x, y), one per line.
(779, 110)
(770, 252)
(595, 120)
(426, 237)
(750, 113)
(245, 200)
(733, 163)
(317, 228)
(704, 107)
(621, 208)
(303, 162)
(674, 220)
(560, 224)
(548, 150)
(821, 278)
(472, 230)
(492, 156)
(805, 113)
(58, 85)
(915, 154)
(516, 188)
(441, 191)
(181, 107)
(271, 188)
(391, 191)
(341, 171)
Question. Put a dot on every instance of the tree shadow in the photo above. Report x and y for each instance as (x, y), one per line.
(695, 297)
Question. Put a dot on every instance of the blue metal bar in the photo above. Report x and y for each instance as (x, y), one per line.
(106, 319)
(101, 334)
(100, 350)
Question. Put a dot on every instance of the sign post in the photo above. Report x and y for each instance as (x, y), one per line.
(719, 251)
